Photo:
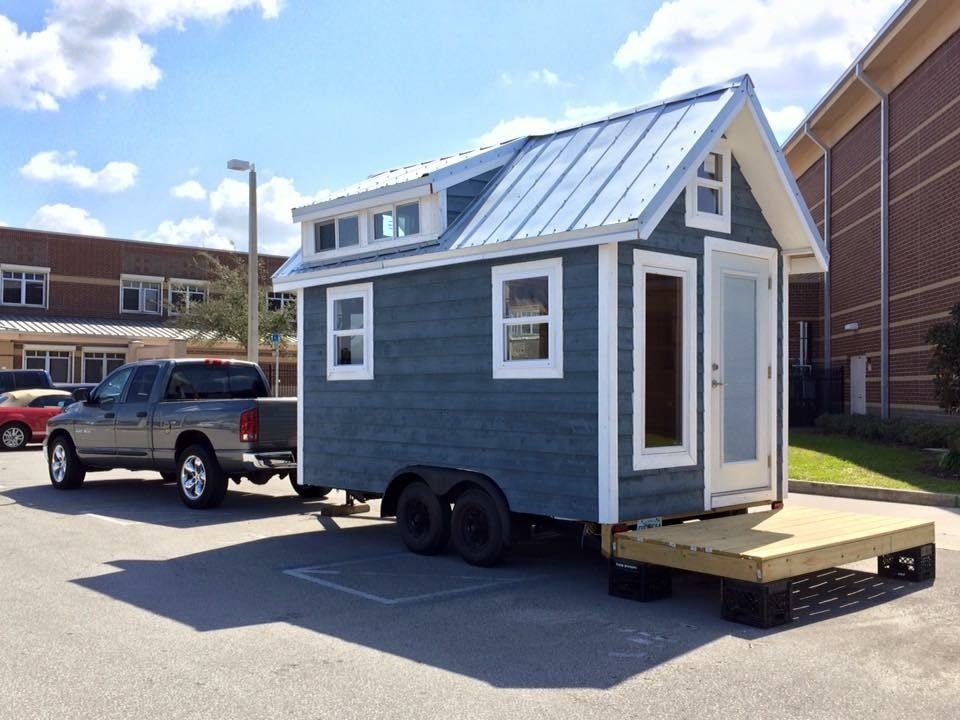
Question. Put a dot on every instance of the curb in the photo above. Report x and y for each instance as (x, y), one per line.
(860, 492)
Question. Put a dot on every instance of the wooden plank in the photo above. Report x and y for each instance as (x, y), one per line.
(684, 558)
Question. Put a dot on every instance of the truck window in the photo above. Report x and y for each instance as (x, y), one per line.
(247, 382)
(198, 381)
(110, 390)
(142, 383)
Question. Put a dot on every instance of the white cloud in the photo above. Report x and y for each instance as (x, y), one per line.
(548, 78)
(93, 44)
(54, 166)
(784, 120)
(226, 226)
(536, 125)
(191, 190)
(789, 48)
(68, 219)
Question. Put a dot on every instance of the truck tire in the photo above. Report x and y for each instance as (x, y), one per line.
(423, 519)
(14, 436)
(477, 528)
(200, 481)
(66, 470)
(308, 491)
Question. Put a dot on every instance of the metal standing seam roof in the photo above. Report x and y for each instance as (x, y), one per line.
(86, 326)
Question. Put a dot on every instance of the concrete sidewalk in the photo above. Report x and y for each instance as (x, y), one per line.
(860, 492)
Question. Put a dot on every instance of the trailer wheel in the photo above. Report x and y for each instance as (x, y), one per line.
(66, 471)
(477, 528)
(423, 519)
(200, 480)
(308, 491)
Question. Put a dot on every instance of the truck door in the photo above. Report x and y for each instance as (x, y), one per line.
(133, 430)
(94, 427)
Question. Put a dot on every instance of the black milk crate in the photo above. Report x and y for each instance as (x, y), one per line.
(763, 605)
(638, 580)
(915, 564)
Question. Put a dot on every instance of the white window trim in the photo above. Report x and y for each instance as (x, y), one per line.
(707, 220)
(94, 350)
(71, 349)
(175, 283)
(142, 279)
(644, 263)
(552, 366)
(351, 372)
(35, 269)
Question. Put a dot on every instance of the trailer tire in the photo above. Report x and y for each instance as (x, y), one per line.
(308, 491)
(423, 519)
(477, 528)
(66, 470)
(201, 482)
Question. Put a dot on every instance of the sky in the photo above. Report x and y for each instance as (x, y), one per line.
(118, 117)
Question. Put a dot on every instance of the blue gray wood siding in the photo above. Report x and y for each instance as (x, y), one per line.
(433, 399)
(679, 490)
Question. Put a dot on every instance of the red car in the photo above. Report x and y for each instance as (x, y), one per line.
(24, 415)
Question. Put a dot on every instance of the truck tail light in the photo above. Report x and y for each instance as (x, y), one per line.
(250, 425)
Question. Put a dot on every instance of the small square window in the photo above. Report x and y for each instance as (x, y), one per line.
(711, 168)
(708, 193)
(383, 225)
(324, 236)
(408, 219)
(348, 231)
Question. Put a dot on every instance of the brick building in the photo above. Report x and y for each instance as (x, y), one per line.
(80, 306)
(878, 163)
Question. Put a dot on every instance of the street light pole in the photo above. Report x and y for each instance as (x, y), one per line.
(253, 264)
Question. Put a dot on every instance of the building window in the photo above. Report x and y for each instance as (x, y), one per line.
(140, 294)
(398, 221)
(185, 293)
(350, 332)
(528, 320)
(708, 193)
(664, 362)
(277, 301)
(97, 365)
(333, 234)
(56, 362)
(25, 286)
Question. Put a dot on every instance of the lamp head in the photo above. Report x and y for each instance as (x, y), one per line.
(241, 165)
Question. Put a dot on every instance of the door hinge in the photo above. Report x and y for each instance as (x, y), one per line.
(768, 460)
(769, 372)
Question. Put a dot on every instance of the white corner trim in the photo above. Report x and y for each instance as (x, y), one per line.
(785, 382)
(608, 471)
(300, 389)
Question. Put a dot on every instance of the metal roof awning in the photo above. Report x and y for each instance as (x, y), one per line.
(41, 325)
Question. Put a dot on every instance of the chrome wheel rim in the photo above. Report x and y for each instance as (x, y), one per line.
(193, 477)
(58, 463)
(13, 437)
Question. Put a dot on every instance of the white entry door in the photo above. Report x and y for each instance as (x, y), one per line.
(858, 385)
(740, 372)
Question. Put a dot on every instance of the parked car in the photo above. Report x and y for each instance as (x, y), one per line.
(24, 415)
(24, 379)
(198, 422)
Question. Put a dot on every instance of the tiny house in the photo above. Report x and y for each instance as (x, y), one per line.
(586, 325)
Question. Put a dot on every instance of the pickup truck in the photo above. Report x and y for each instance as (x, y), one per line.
(197, 422)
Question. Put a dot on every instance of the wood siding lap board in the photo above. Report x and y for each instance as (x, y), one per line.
(433, 400)
(773, 545)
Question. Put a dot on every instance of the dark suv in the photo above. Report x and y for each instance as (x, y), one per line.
(24, 380)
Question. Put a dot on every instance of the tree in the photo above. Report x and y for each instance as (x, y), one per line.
(223, 315)
(945, 364)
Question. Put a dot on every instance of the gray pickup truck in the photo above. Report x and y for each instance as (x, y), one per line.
(198, 422)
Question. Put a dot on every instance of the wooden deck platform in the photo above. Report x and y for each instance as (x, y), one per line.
(765, 547)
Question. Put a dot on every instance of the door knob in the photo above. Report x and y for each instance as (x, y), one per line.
(716, 383)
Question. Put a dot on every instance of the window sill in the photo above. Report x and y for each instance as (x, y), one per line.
(337, 375)
(676, 458)
(507, 372)
(709, 221)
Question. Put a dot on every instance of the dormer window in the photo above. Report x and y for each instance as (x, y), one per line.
(708, 193)
(340, 233)
(396, 222)
(366, 230)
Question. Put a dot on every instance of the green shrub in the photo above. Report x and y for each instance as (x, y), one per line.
(901, 431)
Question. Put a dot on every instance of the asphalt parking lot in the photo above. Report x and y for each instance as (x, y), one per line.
(118, 602)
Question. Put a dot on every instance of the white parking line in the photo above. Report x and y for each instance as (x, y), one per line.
(110, 519)
(311, 573)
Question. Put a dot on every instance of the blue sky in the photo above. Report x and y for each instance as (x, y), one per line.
(117, 117)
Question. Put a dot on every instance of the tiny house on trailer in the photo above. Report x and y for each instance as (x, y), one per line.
(586, 325)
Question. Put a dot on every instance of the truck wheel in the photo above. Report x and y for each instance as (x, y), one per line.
(200, 481)
(14, 436)
(308, 491)
(66, 470)
(423, 519)
(477, 528)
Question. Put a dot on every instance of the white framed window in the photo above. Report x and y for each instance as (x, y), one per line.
(24, 285)
(395, 221)
(182, 294)
(404, 222)
(140, 294)
(55, 359)
(350, 332)
(277, 301)
(337, 233)
(664, 360)
(708, 193)
(100, 362)
(528, 319)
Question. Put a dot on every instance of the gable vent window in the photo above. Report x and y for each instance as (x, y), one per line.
(708, 193)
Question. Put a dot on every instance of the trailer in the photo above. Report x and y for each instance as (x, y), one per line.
(586, 325)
